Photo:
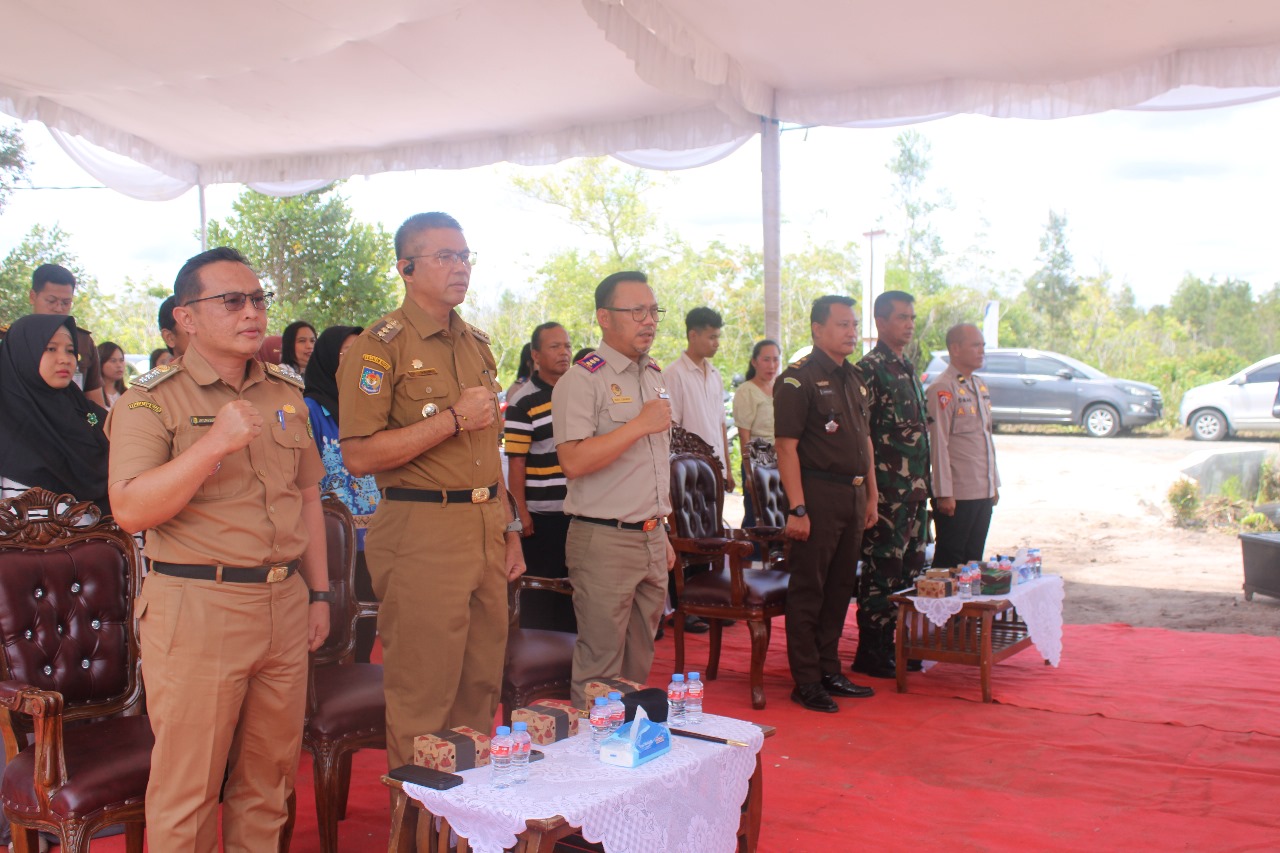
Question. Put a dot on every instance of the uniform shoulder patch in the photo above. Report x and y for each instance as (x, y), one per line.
(592, 361)
(156, 375)
(288, 374)
(944, 397)
(386, 329)
(653, 365)
(479, 334)
(791, 380)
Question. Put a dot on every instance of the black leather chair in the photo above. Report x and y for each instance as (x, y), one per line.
(539, 662)
(70, 675)
(764, 484)
(726, 590)
(346, 706)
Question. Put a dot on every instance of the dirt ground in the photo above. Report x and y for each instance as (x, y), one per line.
(1096, 508)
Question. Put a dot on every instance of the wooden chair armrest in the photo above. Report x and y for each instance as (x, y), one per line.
(710, 546)
(561, 585)
(45, 708)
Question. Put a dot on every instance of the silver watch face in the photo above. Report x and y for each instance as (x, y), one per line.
(430, 409)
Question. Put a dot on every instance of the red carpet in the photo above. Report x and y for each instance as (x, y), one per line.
(1143, 739)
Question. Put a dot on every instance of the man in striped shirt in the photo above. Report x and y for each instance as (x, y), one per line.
(536, 481)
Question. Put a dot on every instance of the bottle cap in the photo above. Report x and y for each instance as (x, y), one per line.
(503, 730)
(600, 700)
(520, 727)
(613, 694)
(695, 676)
(677, 677)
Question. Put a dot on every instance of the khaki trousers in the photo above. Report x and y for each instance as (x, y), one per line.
(619, 586)
(438, 572)
(225, 668)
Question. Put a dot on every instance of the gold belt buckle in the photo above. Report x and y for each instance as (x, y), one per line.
(277, 574)
(859, 480)
(650, 524)
(479, 496)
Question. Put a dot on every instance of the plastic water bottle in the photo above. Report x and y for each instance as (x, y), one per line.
(617, 711)
(693, 698)
(500, 750)
(964, 584)
(677, 694)
(599, 720)
(521, 746)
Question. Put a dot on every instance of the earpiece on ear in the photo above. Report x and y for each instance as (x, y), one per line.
(408, 268)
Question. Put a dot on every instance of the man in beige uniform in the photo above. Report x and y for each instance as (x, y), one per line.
(612, 421)
(966, 485)
(419, 411)
(213, 457)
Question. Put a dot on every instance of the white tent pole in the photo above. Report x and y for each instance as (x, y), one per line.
(771, 187)
(204, 221)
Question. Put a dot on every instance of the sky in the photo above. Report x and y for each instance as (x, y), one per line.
(1149, 197)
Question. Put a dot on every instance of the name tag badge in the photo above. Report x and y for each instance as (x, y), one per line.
(203, 420)
(618, 396)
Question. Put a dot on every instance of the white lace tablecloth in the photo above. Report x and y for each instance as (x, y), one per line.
(689, 799)
(1039, 604)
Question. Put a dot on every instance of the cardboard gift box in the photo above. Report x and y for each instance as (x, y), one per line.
(933, 588)
(604, 686)
(996, 581)
(939, 574)
(548, 720)
(460, 748)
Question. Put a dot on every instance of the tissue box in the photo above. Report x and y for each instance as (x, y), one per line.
(603, 686)
(653, 740)
(939, 574)
(932, 588)
(548, 721)
(461, 748)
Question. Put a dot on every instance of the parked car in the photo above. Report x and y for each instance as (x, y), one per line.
(1242, 401)
(1030, 386)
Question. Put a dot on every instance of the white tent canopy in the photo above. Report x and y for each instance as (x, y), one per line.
(285, 94)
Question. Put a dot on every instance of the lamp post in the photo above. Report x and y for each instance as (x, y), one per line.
(870, 291)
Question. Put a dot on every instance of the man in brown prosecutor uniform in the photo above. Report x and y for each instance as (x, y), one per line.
(419, 411)
(612, 419)
(826, 466)
(213, 457)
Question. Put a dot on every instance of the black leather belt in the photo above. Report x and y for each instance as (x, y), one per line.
(646, 525)
(442, 496)
(228, 574)
(846, 479)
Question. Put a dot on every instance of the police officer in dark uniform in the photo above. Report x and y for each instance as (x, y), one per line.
(825, 462)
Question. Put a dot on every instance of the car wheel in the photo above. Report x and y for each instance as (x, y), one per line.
(1101, 421)
(1208, 425)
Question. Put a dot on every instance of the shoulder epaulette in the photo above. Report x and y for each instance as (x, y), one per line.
(799, 362)
(4, 328)
(653, 365)
(386, 329)
(288, 374)
(156, 375)
(592, 361)
(481, 336)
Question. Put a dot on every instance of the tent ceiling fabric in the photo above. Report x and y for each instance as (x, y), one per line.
(297, 90)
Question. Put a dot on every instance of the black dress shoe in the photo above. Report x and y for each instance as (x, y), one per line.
(814, 697)
(694, 625)
(838, 685)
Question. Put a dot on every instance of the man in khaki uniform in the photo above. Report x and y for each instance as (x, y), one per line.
(966, 485)
(612, 420)
(419, 411)
(213, 457)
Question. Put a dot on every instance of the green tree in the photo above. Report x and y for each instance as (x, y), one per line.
(919, 253)
(13, 162)
(1053, 289)
(324, 266)
(42, 245)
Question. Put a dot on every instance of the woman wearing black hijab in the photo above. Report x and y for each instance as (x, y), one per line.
(51, 435)
(360, 494)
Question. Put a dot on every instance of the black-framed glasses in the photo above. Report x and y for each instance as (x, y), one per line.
(447, 259)
(234, 301)
(639, 312)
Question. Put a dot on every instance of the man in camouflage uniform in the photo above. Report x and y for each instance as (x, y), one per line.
(893, 550)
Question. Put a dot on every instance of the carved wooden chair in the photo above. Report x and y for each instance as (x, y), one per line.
(346, 706)
(728, 590)
(764, 484)
(539, 662)
(70, 675)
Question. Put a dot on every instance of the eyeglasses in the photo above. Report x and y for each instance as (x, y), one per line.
(56, 303)
(234, 301)
(639, 312)
(447, 259)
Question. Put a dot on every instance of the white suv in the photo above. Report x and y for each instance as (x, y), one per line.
(1242, 402)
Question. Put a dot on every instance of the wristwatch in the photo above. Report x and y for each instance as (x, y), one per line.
(515, 526)
(328, 596)
(799, 511)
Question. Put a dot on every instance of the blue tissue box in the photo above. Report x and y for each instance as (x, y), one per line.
(618, 750)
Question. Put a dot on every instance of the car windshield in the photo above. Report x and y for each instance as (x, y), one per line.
(1090, 372)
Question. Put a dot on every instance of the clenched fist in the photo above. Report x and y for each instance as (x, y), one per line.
(236, 424)
(475, 408)
(654, 417)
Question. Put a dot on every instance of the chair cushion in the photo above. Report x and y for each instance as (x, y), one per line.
(764, 588)
(537, 657)
(771, 509)
(694, 498)
(108, 763)
(349, 699)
